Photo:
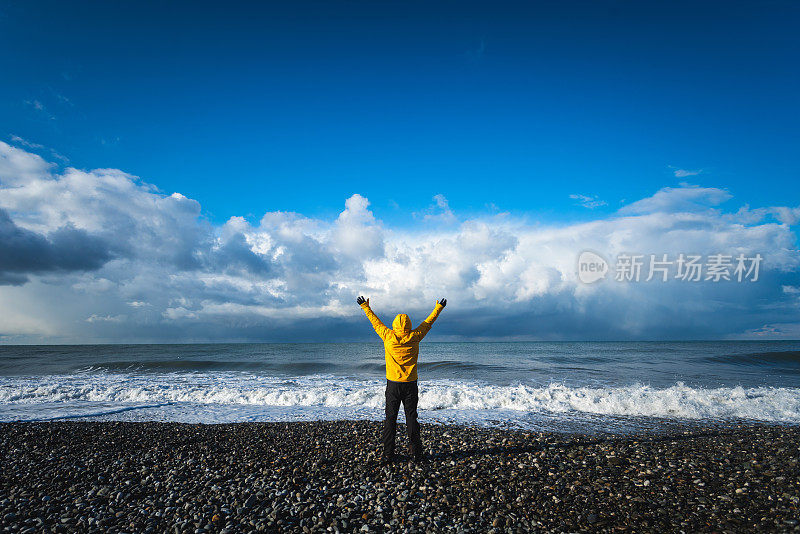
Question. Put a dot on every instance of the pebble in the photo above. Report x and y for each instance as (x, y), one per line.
(326, 477)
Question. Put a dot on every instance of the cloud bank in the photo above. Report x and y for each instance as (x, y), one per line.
(101, 256)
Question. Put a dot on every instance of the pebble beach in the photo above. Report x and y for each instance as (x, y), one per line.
(326, 477)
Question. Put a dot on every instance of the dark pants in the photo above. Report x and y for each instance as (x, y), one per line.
(408, 394)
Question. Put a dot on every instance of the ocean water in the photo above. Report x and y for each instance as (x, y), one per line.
(588, 387)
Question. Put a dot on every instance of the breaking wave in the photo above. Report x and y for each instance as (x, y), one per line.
(481, 400)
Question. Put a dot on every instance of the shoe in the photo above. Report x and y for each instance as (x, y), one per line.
(387, 460)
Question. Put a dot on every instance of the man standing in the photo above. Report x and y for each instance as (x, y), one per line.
(402, 350)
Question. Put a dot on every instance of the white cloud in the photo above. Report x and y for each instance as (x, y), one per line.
(686, 198)
(19, 167)
(590, 202)
(772, 331)
(163, 273)
(94, 318)
(40, 109)
(356, 232)
(35, 104)
(439, 212)
(20, 141)
(179, 313)
(683, 173)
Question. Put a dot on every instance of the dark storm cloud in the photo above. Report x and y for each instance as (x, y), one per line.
(236, 256)
(24, 252)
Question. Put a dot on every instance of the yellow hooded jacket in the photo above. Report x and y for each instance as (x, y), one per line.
(401, 342)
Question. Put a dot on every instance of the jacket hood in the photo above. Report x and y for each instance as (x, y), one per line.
(401, 324)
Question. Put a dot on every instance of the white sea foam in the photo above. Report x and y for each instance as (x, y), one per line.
(267, 398)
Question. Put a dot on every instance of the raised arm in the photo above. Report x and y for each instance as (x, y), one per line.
(380, 328)
(426, 325)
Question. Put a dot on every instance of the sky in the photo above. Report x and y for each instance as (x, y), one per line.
(240, 172)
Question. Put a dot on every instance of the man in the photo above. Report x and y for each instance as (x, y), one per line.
(401, 345)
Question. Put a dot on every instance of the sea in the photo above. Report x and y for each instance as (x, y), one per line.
(587, 387)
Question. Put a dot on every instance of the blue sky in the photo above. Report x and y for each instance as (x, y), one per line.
(295, 106)
(240, 171)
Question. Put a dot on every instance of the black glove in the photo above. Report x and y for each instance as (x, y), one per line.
(443, 302)
(360, 301)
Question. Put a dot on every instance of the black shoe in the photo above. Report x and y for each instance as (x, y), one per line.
(387, 460)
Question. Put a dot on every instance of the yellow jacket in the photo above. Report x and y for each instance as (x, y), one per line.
(401, 342)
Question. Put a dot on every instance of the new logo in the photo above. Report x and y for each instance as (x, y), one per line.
(591, 267)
